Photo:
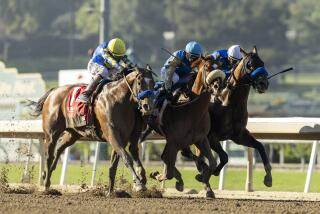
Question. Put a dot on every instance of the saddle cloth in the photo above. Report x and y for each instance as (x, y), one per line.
(77, 114)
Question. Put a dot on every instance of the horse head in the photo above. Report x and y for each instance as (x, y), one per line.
(142, 89)
(250, 71)
(207, 79)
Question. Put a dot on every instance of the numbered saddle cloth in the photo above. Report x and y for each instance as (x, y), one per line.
(77, 114)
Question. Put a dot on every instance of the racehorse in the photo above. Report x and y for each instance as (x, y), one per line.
(229, 114)
(186, 124)
(117, 110)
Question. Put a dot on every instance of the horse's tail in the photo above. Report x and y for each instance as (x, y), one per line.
(38, 105)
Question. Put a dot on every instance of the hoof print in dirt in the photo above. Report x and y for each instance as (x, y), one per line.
(21, 190)
(119, 194)
(100, 192)
(148, 194)
(52, 192)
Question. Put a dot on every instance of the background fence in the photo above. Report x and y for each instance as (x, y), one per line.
(285, 129)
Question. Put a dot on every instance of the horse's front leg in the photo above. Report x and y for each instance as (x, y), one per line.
(223, 156)
(168, 156)
(246, 139)
(113, 170)
(205, 150)
(134, 151)
(119, 145)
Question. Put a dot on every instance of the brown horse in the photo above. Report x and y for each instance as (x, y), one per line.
(117, 121)
(229, 114)
(187, 124)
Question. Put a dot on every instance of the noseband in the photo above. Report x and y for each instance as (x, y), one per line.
(245, 69)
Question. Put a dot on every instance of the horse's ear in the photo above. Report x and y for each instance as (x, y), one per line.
(148, 67)
(255, 50)
(244, 52)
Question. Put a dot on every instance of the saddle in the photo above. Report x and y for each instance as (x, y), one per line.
(181, 91)
(80, 114)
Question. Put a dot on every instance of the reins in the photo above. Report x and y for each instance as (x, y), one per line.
(243, 69)
(125, 79)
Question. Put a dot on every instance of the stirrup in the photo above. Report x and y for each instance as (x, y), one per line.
(83, 99)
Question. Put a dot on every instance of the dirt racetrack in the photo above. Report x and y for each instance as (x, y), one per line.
(89, 203)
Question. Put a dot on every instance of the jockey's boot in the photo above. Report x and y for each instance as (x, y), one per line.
(85, 96)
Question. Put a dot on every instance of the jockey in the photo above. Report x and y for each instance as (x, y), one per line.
(178, 66)
(227, 59)
(106, 61)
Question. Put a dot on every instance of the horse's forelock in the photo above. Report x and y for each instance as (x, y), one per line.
(256, 61)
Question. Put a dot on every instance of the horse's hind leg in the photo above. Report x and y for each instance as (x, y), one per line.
(199, 161)
(50, 144)
(246, 139)
(67, 139)
(113, 170)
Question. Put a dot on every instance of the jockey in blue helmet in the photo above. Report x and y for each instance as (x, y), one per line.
(227, 59)
(178, 66)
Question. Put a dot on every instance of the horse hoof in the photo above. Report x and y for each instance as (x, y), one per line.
(179, 186)
(199, 178)
(139, 187)
(267, 181)
(210, 195)
(154, 175)
(216, 173)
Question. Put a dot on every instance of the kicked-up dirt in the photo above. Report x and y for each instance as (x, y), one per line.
(90, 202)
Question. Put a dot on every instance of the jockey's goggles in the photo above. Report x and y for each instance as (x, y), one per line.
(193, 56)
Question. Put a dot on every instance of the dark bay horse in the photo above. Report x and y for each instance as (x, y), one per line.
(229, 114)
(117, 111)
(187, 124)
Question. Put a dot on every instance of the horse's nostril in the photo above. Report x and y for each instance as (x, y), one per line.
(145, 107)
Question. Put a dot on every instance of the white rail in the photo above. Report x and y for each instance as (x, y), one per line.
(294, 128)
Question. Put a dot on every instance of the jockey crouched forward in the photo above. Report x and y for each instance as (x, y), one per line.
(106, 62)
(178, 67)
(226, 60)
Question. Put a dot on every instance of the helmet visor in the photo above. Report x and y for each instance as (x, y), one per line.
(193, 57)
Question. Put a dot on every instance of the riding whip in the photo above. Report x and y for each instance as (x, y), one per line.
(285, 70)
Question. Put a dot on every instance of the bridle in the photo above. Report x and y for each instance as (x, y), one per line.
(137, 96)
(125, 79)
(246, 68)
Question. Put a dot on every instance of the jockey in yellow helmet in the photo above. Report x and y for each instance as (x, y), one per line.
(107, 60)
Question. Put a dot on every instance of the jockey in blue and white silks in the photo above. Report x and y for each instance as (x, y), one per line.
(227, 59)
(107, 60)
(178, 66)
